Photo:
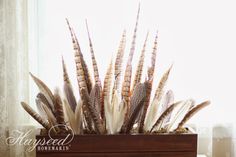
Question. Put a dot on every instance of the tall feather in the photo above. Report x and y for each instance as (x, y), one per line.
(36, 116)
(149, 89)
(136, 104)
(81, 77)
(139, 70)
(96, 72)
(85, 68)
(45, 91)
(98, 124)
(118, 63)
(192, 112)
(95, 67)
(165, 114)
(68, 91)
(128, 70)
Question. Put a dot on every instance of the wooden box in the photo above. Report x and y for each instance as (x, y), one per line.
(163, 145)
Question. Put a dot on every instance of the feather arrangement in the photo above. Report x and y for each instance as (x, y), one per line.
(115, 107)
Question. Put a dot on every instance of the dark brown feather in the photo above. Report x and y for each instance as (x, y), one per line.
(136, 104)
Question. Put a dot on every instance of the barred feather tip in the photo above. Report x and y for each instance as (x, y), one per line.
(118, 63)
(139, 70)
(36, 116)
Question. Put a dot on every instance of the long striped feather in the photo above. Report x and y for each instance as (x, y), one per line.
(150, 81)
(98, 123)
(81, 77)
(128, 71)
(118, 63)
(139, 70)
(95, 67)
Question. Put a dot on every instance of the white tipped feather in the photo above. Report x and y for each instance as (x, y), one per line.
(78, 118)
(184, 108)
(118, 112)
(70, 115)
(152, 115)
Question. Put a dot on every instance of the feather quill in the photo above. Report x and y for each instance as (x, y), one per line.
(165, 114)
(36, 116)
(191, 113)
(149, 88)
(139, 70)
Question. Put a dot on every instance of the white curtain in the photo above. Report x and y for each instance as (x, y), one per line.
(14, 79)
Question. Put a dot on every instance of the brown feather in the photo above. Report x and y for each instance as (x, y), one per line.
(165, 114)
(95, 67)
(136, 104)
(162, 83)
(139, 70)
(128, 71)
(118, 63)
(85, 68)
(81, 76)
(99, 127)
(65, 74)
(192, 112)
(96, 72)
(36, 116)
(59, 110)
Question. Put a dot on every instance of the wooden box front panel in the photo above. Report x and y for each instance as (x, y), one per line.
(165, 145)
